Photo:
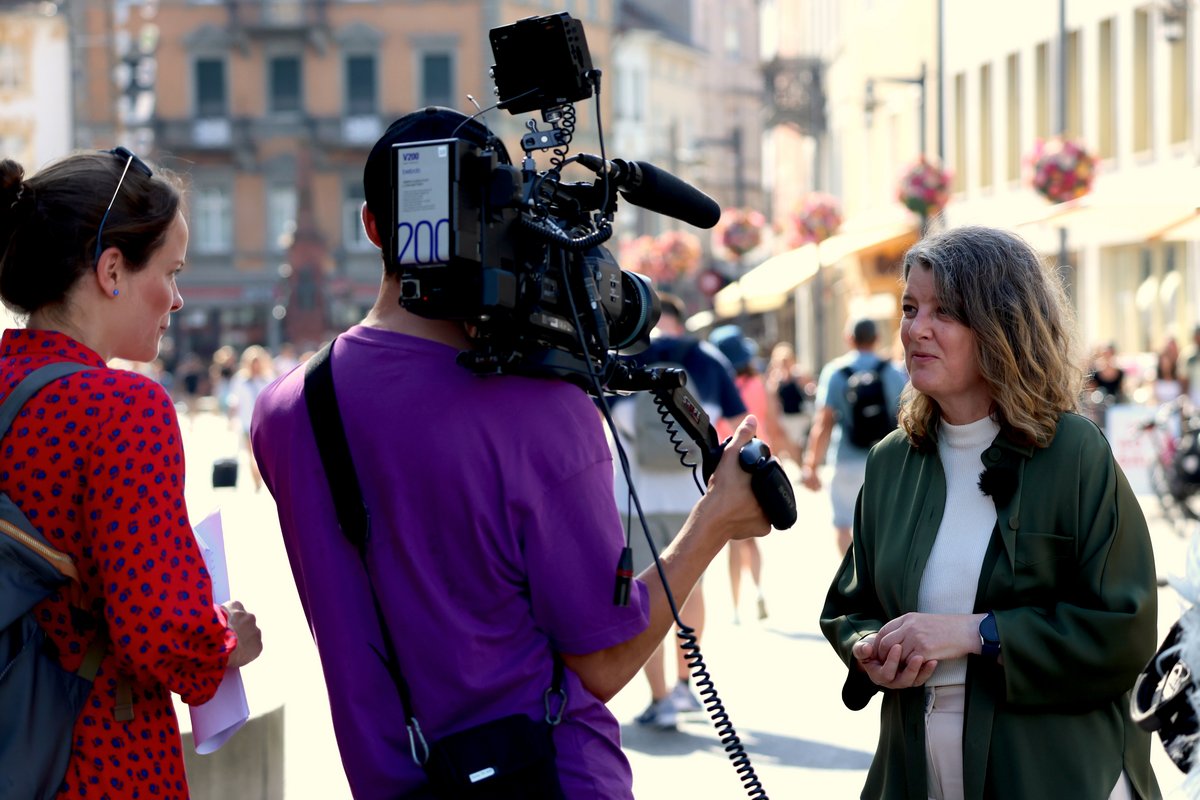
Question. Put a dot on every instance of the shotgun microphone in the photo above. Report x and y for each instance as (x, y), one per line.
(657, 190)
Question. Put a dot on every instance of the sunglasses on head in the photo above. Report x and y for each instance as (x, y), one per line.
(121, 154)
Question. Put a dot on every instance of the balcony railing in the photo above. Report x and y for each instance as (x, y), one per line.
(208, 133)
(278, 16)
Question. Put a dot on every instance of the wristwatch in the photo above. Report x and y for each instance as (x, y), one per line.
(989, 637)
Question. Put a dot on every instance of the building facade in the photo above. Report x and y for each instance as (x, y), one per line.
(268, 109)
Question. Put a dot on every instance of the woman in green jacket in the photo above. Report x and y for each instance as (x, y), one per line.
(1000, 591)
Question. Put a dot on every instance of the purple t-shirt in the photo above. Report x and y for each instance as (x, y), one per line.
(494, 539)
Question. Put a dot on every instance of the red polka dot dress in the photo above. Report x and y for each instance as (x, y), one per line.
(95, 460)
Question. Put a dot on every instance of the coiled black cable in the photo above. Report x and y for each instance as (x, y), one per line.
(716, 709)
(713, 706)
(567, 126)
(679, 443)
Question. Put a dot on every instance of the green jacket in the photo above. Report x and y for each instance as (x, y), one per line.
(1070, 575)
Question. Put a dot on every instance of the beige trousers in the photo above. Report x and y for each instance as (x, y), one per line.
(943, 745)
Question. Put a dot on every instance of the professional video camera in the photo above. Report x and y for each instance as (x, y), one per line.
(516, 253)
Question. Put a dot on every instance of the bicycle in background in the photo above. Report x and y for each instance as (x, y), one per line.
(1174, 432)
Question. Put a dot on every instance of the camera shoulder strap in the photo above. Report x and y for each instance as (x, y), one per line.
(354, 519)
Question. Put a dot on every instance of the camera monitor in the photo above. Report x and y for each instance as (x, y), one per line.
(541, 63)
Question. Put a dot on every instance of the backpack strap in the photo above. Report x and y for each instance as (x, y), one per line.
(101, 644)
(30, 385)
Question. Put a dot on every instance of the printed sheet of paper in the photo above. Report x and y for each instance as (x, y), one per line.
(214, 722)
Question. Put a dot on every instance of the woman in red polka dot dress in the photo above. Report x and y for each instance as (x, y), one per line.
(95, 460)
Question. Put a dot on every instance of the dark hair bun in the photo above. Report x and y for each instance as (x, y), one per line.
(12, 176)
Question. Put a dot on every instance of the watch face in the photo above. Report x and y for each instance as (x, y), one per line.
(989, 637)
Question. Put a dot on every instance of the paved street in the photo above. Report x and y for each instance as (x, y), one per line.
(778, 678)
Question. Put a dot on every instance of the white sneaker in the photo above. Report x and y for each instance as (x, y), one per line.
(683, 699)
(659, 715)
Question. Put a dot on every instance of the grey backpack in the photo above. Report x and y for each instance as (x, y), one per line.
(39, 700)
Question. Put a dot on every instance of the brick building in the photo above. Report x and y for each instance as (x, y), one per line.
(268, 108)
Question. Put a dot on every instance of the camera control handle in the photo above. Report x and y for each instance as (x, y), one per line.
(771, 486)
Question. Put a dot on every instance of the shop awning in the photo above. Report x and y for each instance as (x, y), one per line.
(1124, 212)
(767, 286)
(1184, 229)
(844, 245)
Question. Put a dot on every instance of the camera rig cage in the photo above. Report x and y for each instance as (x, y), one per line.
(513, 252)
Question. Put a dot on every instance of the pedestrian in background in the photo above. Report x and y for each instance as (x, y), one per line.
(796, 391)
(834, 416)
(90, 248)
(255, 372)
(740, 350)
(1000, 591)
(666, 488)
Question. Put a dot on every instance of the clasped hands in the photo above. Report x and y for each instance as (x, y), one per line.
(906, 650)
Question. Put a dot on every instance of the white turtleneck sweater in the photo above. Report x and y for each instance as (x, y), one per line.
(952, 572)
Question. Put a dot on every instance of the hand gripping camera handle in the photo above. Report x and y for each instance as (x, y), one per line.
(771, 486)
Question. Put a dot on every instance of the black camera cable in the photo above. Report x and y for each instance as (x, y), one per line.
(688, 641)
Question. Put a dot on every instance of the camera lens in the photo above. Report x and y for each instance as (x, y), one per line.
(630, 331)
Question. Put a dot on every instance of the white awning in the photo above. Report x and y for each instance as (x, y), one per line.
(767, 286)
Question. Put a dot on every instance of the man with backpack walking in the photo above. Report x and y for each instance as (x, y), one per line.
(666, 488)
(858, 395)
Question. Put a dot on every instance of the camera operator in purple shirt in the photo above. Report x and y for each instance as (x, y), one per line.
(495, 537)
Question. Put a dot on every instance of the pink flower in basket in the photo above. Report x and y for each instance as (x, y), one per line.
(739, 231)
(642, 255)
(924, 188)
(816, 218)
(1063, 169)
(679, 251)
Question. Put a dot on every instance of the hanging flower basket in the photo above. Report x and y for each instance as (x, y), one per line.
(739, 231)
(816, 218)
(924, 188)
(679, 251)
(1063, 169)
(642, 255)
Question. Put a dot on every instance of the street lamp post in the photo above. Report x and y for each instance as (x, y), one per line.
(734, 142)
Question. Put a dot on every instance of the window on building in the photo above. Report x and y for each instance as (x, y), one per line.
(1106, 105)
(284, 83)
(211, 93)
(437, 79)
(362, 94)
(960, 132)
(211, 226)
(1041, 96)
(1073, 103)
(281, 217)
(354, 237)
(986, 120)
(1142, 87)
(1181, 109)
(12, 67)
(1012, 134)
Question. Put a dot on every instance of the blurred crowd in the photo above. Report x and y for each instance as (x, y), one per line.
(1169, 375)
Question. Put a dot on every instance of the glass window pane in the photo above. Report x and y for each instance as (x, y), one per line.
(285, 84)
(360, 84)
(212, 220)
(210, 87)
(436, 77)
(281, 217)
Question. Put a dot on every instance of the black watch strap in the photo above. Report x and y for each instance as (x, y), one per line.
(989, 637)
